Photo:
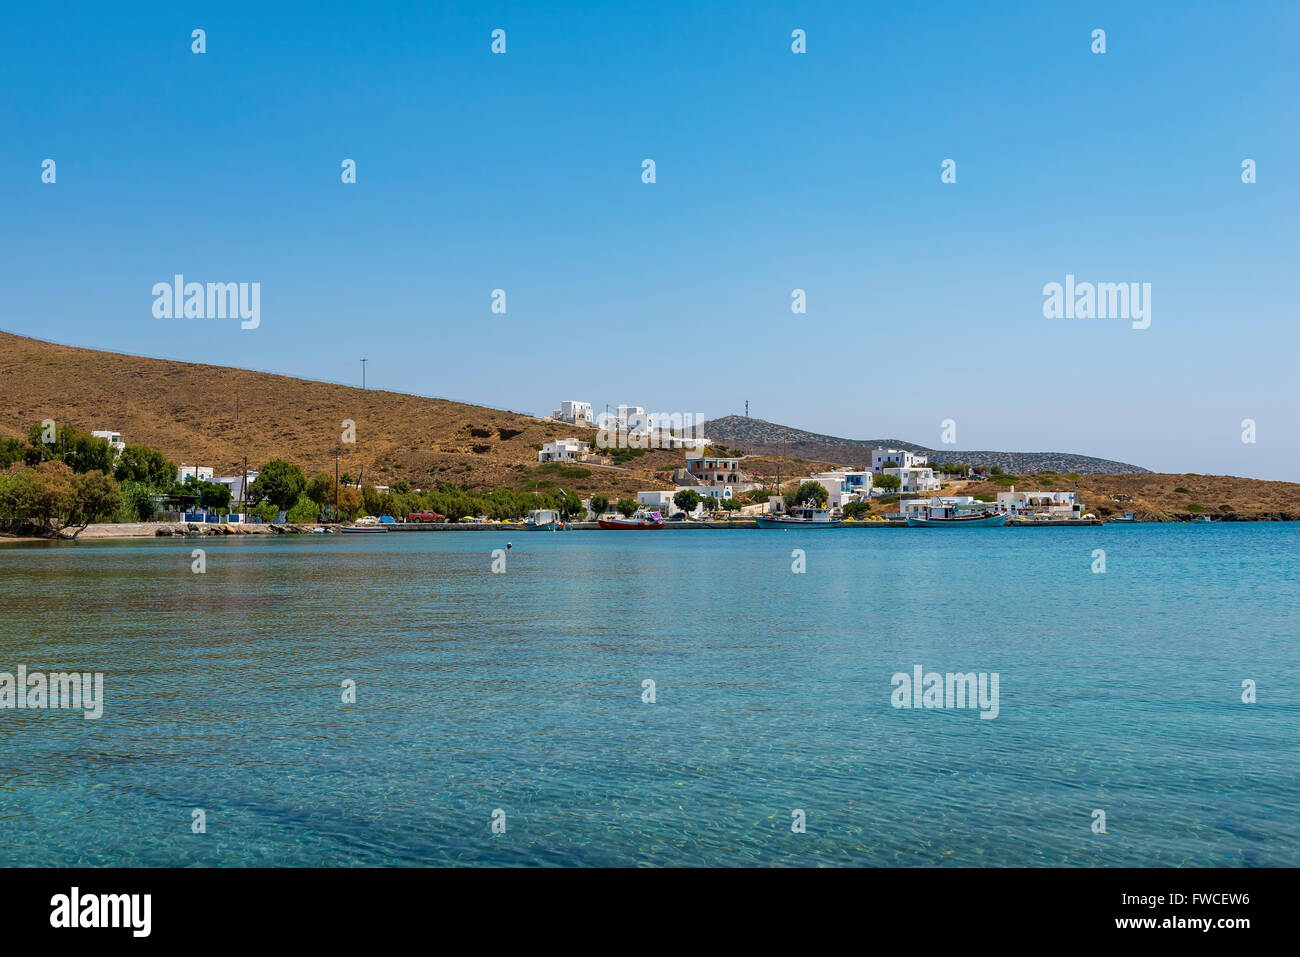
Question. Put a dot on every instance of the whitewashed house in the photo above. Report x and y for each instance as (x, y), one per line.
(662, 502)
(915, 480)
(844, 486)
(112, 438)
(882, 459)
(574, 413)
(199, 473)
(629, 417)
(563, 450)
(1044, 504)
(236, 484)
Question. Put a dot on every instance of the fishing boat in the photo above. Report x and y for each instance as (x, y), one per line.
(805, 516)
(364, 529)
(640, 520)
(544, 520)
(945, 516)
(1126, 517)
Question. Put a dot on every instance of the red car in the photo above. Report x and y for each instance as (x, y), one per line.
(426, 517)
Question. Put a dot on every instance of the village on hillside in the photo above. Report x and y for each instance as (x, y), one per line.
(61, 478)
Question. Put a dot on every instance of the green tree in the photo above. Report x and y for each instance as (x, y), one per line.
(53, 496)
(321, 489)
(599, 504)
(17, 492)
(45, 494)
(279, 483)
(139, 463)
(11, 451)
(214, 497)
(80, 451)
(807, 492)
(304, 510)
(627, 507)
(350, 502)
(94, 495)
(686, 499)
(264, 511)
(891, 483)
(138, 503)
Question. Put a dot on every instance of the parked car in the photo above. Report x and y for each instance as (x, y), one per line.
(426, 517)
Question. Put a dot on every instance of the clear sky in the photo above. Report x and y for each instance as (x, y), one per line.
(775, 171)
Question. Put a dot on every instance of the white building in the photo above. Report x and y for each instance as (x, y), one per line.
(574, 413)
(563, 450)
(915, 480)
(236, 484)
(882, 459)
(199, 473)
(629, 418)
(1044, 504)
(715, 491)
(631, 426)
(844, 486)
(662, 502)
(919, 507)
(112, 438)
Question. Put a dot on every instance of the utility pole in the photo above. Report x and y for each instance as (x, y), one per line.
(243, 491)
(747, 408)
(336, 483)
(363, 372)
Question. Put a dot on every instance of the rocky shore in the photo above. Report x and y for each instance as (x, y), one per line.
(197, 529)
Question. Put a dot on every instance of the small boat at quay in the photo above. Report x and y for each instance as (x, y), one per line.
(803, 517)
(364, 530)
(544, 520)
(639, 521)
(953, 519)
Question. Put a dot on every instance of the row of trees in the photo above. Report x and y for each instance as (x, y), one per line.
(83, 453)
(52, 496)
(283, 486)
(63, 476)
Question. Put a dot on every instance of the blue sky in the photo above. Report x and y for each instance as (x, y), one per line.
(775, 171)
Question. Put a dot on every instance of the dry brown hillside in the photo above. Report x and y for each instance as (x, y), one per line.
(213, 415)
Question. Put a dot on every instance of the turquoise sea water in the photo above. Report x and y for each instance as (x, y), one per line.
(522, 692)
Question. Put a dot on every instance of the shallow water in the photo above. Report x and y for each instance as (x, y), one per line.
(522, 692)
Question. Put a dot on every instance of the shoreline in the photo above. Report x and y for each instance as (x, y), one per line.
(135, 530)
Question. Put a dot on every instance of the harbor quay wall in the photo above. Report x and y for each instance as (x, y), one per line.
(19, 528)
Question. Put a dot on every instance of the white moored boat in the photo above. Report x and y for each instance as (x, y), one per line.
(949, 516)
(804, 517)
(544, 520)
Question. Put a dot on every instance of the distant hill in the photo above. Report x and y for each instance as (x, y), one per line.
(215, 415)
(757, 436)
